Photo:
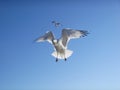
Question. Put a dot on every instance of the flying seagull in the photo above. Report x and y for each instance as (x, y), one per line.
(57, 24)
(60, 45)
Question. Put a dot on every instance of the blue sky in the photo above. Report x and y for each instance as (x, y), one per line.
(26, 65)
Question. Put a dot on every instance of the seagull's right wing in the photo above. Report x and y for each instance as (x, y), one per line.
(47, 37)
(68, 34)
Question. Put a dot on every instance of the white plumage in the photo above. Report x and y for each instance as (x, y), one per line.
(60, 45)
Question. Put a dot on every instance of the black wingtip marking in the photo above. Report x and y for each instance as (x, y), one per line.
(84, 33)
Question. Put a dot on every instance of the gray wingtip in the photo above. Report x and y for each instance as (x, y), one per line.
(47, 31)
(84, 33)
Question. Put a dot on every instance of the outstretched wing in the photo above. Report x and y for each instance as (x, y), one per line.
(47, 37)
(68, 34)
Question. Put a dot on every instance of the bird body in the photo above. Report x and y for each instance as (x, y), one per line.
(60, 45)
(60, 51)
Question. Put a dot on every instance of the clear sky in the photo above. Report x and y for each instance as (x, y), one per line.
(26, 65)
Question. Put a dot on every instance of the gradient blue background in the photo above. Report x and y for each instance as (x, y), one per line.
(26, 65)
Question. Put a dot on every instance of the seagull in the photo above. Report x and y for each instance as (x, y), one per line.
(60, 45)
(57, 24)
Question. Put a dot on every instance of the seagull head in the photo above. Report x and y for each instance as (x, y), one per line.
(55, 41)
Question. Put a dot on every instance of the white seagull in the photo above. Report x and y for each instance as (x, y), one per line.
(57, 24)
(60, 45)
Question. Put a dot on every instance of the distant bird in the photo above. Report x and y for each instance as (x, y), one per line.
(57, 24)
(60, 45)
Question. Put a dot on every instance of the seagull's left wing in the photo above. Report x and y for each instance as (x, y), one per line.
(47, 37)
(68, 34)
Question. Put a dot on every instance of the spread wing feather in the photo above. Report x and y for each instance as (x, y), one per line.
(68, 34)
(47, 37)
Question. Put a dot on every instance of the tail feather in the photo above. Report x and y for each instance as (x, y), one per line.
(64, 55)
(68, 53)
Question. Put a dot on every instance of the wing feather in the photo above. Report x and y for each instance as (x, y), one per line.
(68, 34)
(47, 37)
